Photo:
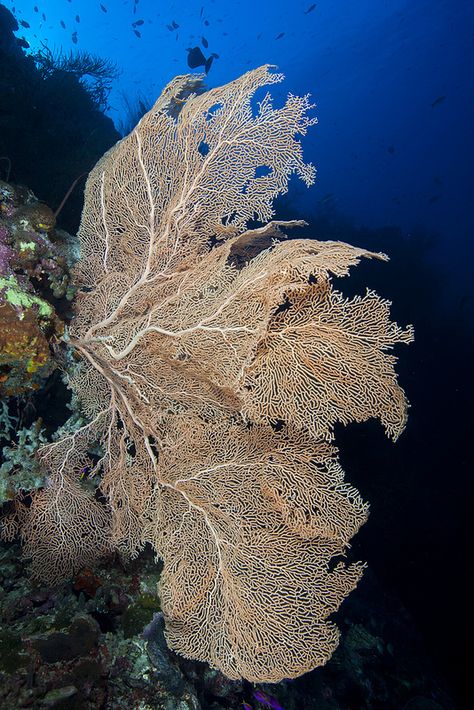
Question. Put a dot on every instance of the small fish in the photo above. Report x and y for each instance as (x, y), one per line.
(197, 59)
(206, 22)
(23, 23)
(137, 23)
(433, 199)
(202, 10)
(103, 8)
(175, 25)
(74, 37)
(258, 36)
(35, 8)
(62, 24)
(43, 16)
(282, 34)
(438, 101)
(391, 149)
(205, 43)
(310, 9)
(78, 19)
(139, 34)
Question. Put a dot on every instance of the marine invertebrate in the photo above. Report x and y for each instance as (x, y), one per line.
(31, 265)
(197, 336)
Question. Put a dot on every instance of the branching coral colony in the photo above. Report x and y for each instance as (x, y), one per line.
(187, 363)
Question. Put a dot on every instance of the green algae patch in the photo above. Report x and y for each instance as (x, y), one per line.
(16, 296)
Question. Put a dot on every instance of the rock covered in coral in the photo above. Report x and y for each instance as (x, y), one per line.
(34, 271)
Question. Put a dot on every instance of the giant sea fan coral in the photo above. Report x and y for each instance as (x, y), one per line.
(188, 362)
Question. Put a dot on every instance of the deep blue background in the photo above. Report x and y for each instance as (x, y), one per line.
(385, 154)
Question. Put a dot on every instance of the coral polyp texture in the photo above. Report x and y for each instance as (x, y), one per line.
(212, 406)
(33, 266)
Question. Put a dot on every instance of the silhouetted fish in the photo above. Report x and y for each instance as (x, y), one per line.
(310, 9)
(62, 24)
(206, 22)
(137, 23)
(137, 33)
(391, 149)
(438, 101)
(23, 23)
(43, 16)
(35, 8)
(202, 9)
(282, 34)
(205, 43)
(78, 19)
(197, 59)
(74, 37)
(103, 8)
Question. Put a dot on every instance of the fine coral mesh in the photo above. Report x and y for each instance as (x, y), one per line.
(189, 363)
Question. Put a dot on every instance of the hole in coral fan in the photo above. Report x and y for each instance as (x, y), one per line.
(211, 112)
(203, 148)
(213, 241)
(262, 171)
(334, 561)
(153, 446)
(278, 424)
(130, 447)
(283, 306)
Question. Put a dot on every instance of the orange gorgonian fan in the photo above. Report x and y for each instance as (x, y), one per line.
(188, 360)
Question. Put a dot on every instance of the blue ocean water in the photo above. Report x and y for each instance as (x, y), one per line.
(392, 83)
